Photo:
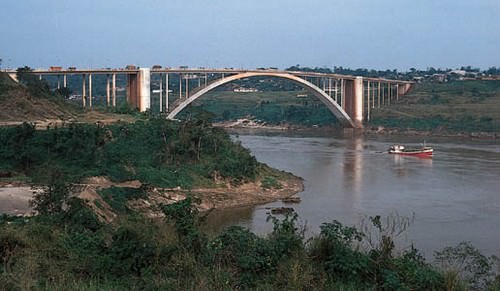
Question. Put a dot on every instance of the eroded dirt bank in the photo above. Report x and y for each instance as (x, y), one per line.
(14, 200)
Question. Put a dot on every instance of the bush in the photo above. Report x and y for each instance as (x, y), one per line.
(270, 183)
(472, 267)
(239, 249)
(131, 252)
(117, 197)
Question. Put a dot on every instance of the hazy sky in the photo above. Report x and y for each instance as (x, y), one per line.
(374, 34)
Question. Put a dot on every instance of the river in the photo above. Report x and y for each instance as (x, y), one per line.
(453, 197)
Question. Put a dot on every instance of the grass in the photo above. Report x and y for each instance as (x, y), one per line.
(459, 106)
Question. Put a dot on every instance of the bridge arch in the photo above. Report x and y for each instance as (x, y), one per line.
(339, 113)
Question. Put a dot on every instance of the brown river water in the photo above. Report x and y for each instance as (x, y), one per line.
(453, 197)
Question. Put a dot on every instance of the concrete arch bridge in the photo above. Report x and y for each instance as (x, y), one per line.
(349, 98)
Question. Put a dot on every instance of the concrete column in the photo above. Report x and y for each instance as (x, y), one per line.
(187, 87)
(144, 89)
(336, 90)
(406, 88)
(378, 94)
(84, 80)
(330, 87)
(113, 91)
(161, 92)
(58, 82)
(342, 93)
(388, 94)
(132, 89)
(369, 101)
(166, 92)
(180, 86)
(357, 102)
(90, 90)
(373, 97)
(353, 100)
(65, 81)
(107, 91)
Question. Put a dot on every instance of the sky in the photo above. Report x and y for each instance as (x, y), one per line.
(372, 34)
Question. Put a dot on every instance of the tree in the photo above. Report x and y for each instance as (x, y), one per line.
(36, 86)
(53, 197)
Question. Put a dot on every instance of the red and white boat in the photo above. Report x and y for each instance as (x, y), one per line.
(424, 151)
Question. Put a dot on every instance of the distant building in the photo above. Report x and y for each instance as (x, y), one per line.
(439, 78)
(418, 79)
(245, 90)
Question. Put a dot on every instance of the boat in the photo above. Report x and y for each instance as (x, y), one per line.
(424, 151)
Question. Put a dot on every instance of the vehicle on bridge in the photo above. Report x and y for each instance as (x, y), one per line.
(55, 68)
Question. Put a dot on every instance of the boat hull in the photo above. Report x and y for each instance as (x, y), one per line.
(424, 152)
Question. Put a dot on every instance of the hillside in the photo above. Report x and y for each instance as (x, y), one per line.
(452, 107)
(458, 106)
(20, 103)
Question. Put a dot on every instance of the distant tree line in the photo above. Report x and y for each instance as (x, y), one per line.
(392, 74)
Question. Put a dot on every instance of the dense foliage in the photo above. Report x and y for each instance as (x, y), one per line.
(70, 249)
(159, 152)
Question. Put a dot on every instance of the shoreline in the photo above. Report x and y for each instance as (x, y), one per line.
(251, 126)
(369, 130)
(15, 196)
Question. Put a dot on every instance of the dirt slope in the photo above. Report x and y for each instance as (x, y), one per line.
(17, 105)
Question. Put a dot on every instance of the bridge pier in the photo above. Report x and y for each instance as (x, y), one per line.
(84, 79)
(138, 89)
(108, 95)
(90, 90)
(354, 100)
(113, 92)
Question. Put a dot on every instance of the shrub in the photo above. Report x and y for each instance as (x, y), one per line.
(117, 197)
(471, 266)
(270, 183)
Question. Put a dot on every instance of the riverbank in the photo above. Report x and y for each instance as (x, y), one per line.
(248, 126)
(15, 197)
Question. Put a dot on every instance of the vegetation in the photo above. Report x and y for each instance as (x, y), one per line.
(459, 106)
(269, 107)
(156, 151)
(70, 249)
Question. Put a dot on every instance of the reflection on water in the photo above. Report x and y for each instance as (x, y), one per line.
(404, 164)
(353, 164)
(454, 196)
